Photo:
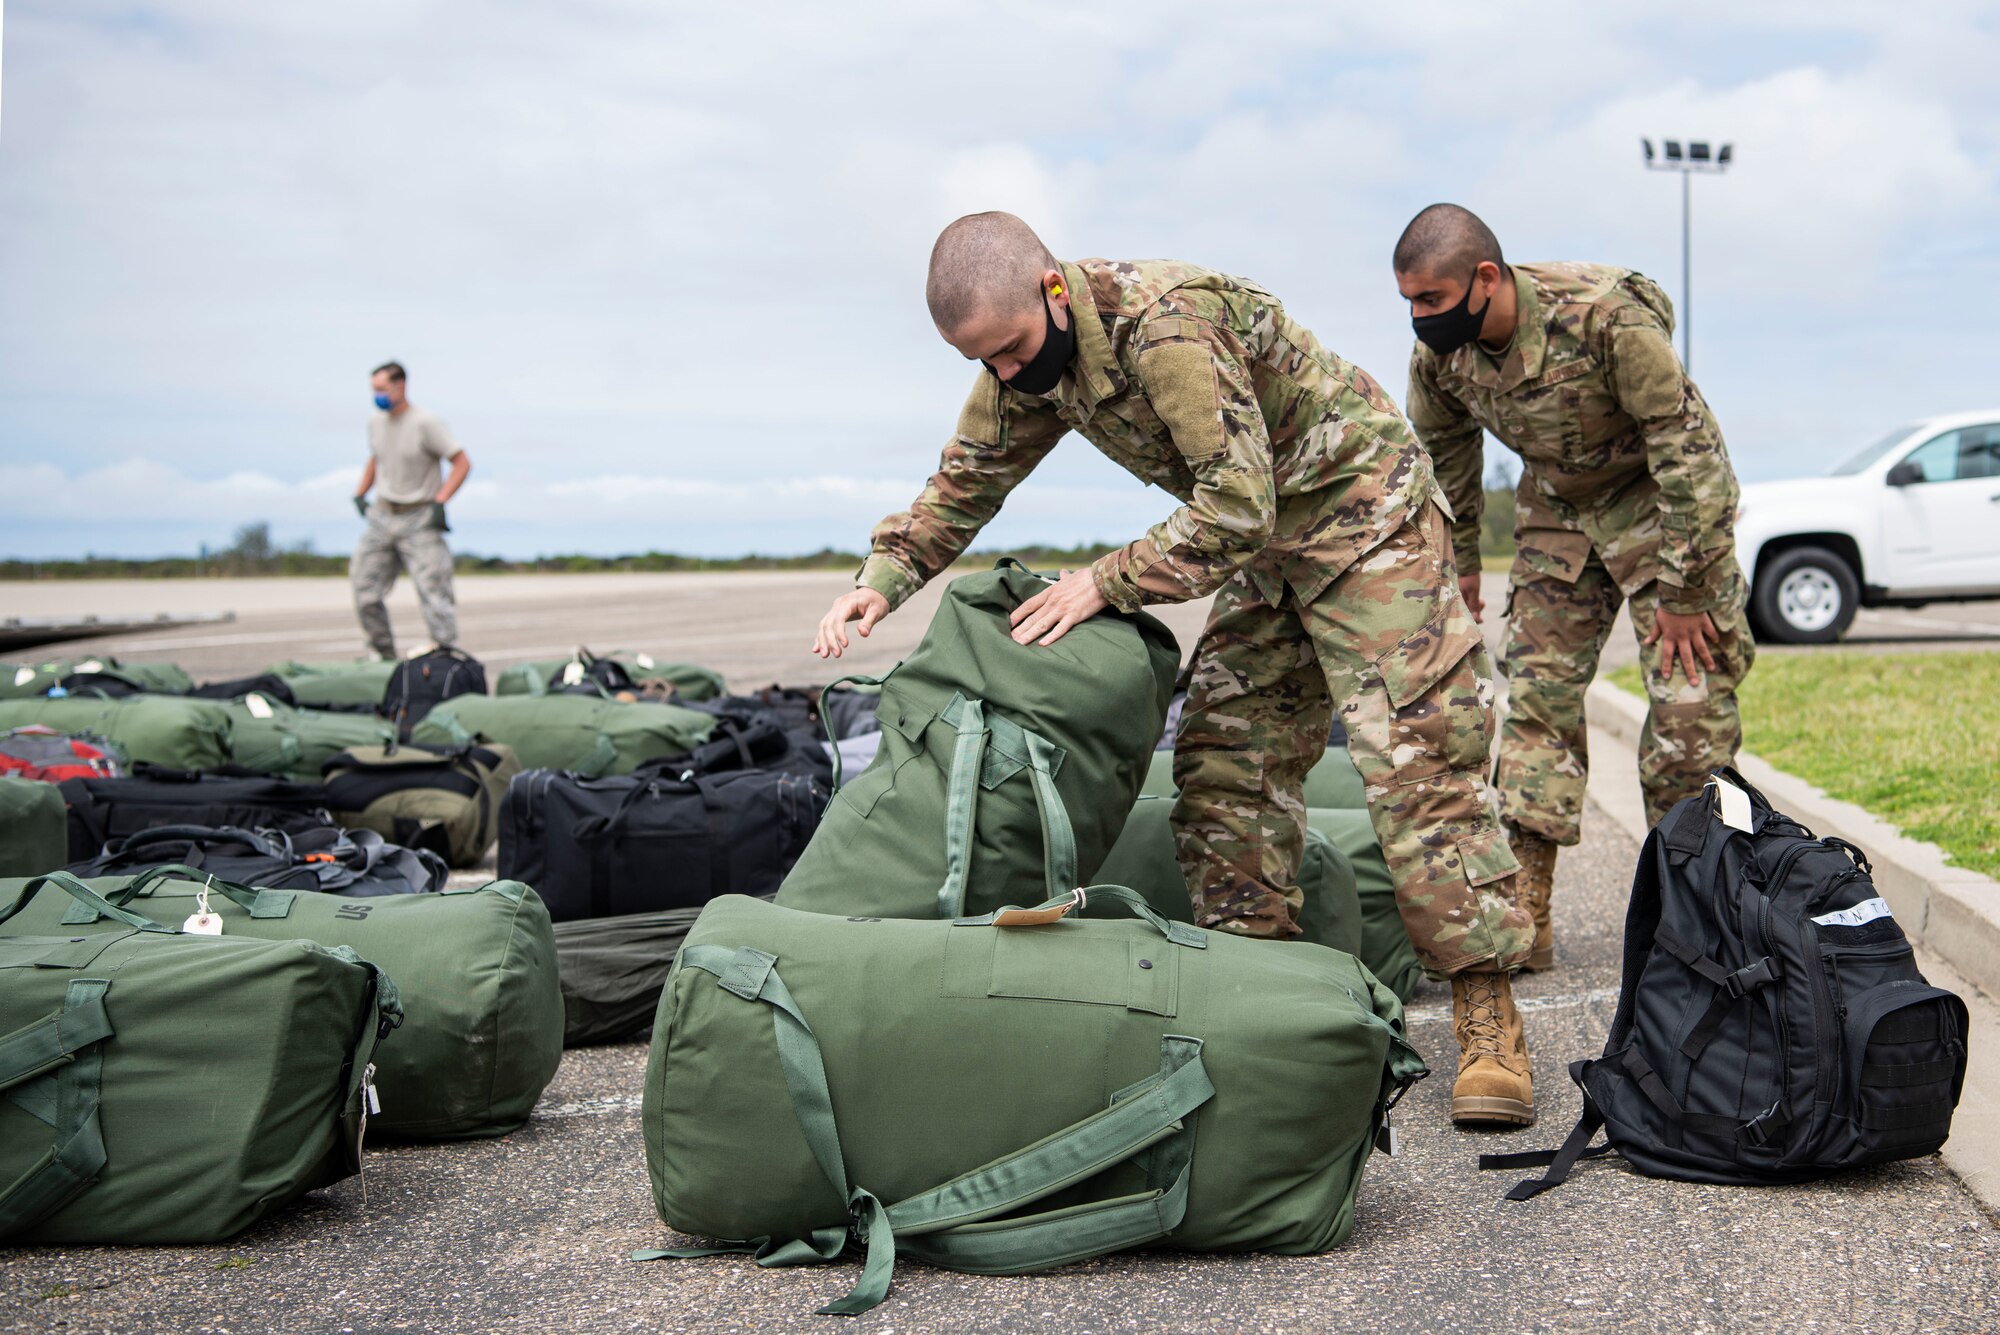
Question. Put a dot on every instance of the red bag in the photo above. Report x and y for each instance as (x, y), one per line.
(39, 752)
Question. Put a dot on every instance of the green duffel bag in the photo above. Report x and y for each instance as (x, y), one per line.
(445, 799)
(1005, 770)
(1011, 1092)
(344, 685)
(613, 970)
(34, 827)
(584, 734)
(149, 678)
(156, 729)
(169, 1087)
(19, 680)
(476, 968)
(1143, 859)
(272, 737)
(691, 681)
(1385, 945)
(1332, 783)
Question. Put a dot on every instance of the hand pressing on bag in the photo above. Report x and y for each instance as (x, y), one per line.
(863, 605)
(1051, 613)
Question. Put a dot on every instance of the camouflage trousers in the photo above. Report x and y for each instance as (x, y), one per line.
(1389, 641)
(1555, 633)
(395, 542)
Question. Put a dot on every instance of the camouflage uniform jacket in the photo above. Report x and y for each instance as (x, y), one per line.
(1619, 452)
(1290, 462)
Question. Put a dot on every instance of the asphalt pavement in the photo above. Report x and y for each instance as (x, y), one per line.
(530, 1232)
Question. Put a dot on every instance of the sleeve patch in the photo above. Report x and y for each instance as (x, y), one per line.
(1649, 377)
(1180, 384)
(979, 420)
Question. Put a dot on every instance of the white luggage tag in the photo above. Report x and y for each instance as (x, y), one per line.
(258, 706)
(203, 922)
(90, 665)
(644, 660)
(573, 673)
(22, 676)
(1732, 804)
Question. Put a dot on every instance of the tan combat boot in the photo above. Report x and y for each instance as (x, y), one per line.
(1495, 1083)
(1534, 887)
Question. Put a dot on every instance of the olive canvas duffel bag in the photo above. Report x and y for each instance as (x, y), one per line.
(34, 827)
(271, 737)
(547, 676)
(165, 1086)
(156, 729)
(585, 735)
(476, 968)
(1005, 770)
(353, 686)
(1011, 1092)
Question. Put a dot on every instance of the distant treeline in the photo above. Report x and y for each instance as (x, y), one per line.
(253, 553)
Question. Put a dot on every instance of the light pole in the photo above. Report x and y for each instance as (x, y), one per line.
(1696, 159)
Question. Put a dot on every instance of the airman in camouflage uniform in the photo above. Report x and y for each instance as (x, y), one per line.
(1626, 496)
(1311, 512)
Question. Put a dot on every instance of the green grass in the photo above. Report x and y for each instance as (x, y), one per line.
(1914, 738)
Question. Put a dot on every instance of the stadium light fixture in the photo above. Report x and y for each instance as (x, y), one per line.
(1699, 156)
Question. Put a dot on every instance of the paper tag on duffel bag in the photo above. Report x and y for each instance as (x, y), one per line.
(258, 706)
(203, 922)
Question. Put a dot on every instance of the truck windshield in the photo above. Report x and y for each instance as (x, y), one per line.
(1868, 456)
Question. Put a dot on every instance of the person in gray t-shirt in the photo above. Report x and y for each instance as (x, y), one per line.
(407, 447)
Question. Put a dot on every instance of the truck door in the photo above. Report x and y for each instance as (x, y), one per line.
(1944, 532)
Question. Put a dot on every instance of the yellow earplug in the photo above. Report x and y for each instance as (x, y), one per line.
(1056, 291)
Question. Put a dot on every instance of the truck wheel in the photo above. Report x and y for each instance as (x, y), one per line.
(1807, 595)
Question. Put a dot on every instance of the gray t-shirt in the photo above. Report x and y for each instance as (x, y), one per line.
(407, 452)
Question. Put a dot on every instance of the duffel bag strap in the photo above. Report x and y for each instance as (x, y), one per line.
(258, 903)
(968, 716)
(54, 1068)
(83, 894)
(826, 715)
(1155, 1116)
(1061, 906)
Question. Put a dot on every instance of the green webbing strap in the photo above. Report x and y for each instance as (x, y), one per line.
(83, 894)
(962, 802)
(259, 903)
(955, 1219)
(1053, 910)
(826, 715)
(962, 806)
(54, 1068)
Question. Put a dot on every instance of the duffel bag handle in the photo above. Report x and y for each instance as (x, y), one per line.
(826, 715)
(82, 893)
(1054, 910)
(258, 903)
(962, 809)
(60, 1050)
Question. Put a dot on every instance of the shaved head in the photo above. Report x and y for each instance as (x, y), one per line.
(1446, 240)
(985, 263)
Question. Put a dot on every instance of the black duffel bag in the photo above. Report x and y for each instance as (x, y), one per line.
(101, 810)
(650, 840)
(420, 684)
(355, 863)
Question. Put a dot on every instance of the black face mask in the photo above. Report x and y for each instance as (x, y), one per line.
(1448, 331)
(1041, 373)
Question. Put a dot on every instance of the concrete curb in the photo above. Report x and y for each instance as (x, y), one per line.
(1955, 912)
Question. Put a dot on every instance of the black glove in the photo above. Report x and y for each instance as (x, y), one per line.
(437, 517)
(361, 506)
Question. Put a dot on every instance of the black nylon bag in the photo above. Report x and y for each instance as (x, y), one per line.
(354, 863)
(101, 810)
(638, 843)
(1772, 1024)
(419, 684)
(757, 741)
(267, 684)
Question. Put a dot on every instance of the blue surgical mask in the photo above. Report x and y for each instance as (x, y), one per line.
(384, 402)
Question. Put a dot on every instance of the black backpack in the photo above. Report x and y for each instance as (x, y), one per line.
(1772, 1025)
(419, 684)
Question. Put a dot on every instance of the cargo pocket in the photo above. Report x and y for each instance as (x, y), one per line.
(1422, 743)
(1906, 1048)
(902, 742)
(1548, 553)
(1486, 859)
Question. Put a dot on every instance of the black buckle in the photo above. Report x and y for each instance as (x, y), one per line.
(1762, 1129)
(1751, 976)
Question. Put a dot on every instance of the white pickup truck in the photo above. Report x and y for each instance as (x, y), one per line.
(1912, 519)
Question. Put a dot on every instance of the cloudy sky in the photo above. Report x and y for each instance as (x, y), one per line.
(660, 265)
